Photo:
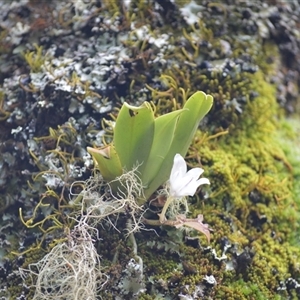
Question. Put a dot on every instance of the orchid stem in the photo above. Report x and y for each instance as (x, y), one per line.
(162, 215)
(158, 223)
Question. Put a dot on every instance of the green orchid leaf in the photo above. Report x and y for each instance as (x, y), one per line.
(108, 162)
(164, 128)
(196, 107)
(133, 135)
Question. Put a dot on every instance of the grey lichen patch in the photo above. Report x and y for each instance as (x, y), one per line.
(132, 282)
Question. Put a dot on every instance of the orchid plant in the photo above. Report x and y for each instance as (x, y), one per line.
(149, 144)
(154, 148)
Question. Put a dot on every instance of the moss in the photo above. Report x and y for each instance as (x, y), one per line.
(251, 191)
(35, 59)
(16, 285)
(288, 138)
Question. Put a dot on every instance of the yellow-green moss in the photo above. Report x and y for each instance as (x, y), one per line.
(35, 59)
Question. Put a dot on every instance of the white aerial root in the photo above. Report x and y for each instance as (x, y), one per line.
(97, 207)
(72, 269)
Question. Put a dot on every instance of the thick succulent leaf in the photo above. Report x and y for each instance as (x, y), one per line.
(133, 135)
(164, 128)
(196, 107)
(108, 162)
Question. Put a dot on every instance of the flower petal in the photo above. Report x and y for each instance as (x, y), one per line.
(182, 187)
(195, 173)
(203, 181)
(179, 166)
(189, 190)
(177, 173)
(177, 185)
(183, 183)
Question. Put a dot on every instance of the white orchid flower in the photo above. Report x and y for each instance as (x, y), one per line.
(183, 183)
